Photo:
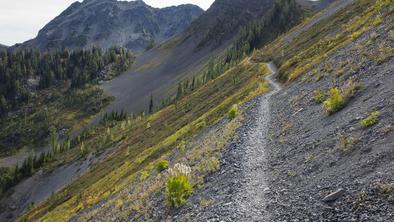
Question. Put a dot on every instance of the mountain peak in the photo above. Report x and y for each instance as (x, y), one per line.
(107, 23)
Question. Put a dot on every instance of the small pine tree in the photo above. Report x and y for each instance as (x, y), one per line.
(53, 140)
(83, 149)
(3, 105)
(180, 91)
(151, 104)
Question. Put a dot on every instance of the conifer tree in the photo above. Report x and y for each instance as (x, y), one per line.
(151, 106)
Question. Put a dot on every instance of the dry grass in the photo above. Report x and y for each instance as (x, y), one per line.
(388, 189)
(346, 143)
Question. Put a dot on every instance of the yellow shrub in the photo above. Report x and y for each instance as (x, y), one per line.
(233, 112)
(370, 120)
(335, 101)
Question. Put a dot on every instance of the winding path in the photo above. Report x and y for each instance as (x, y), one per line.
(238, 189)
(251, 201)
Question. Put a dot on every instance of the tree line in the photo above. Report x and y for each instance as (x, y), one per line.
(284, 15)
(79, 67)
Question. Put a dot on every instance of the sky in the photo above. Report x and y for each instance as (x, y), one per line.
(20, 20)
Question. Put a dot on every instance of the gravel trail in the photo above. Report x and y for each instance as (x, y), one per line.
(237, 190)
(251, 201)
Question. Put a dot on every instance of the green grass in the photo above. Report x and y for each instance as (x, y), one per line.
(163, 165)
(316, 44)
(318, 96)
(371, 120)
(53, 108)
(233, 112)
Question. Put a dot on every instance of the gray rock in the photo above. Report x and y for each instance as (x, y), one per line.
(334, 195)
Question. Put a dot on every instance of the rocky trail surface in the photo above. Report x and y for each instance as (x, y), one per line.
(288, 162)
(237, 190)
(250, 200)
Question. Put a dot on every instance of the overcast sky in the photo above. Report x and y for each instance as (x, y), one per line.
(20, 20)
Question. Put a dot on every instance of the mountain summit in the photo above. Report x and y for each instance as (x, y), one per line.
(106, 23)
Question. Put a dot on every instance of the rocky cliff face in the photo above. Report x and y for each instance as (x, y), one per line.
(108, 23)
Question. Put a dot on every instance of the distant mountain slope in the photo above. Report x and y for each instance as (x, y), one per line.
(316, 4)
(157, 71)
(223, 19)
(3, 46)
(108, 23)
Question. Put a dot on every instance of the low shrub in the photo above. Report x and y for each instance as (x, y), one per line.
(178, 186)
(335, 101)
(318, 96)
(377, 21)
(370, 120)
(346, 143)
(210, 165)
(388, 189)
(360, 197)
(351, 88)
(233, 112)
(355, 35)
(339, 98)
(163, 165)
(178, 189)
(182, 146)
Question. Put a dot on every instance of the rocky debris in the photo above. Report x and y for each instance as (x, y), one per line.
(238, 190)
(302, 164)
(334, 195)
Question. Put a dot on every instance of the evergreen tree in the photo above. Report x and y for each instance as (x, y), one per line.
(3, 105)
(179, 91)
(151, 106)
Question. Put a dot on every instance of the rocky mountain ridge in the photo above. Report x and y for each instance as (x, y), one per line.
(107, 23)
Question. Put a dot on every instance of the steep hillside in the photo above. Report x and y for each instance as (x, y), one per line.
(131, 24)
(3, 47)
(315, 4)
(223, 19)
(233, 144)
(122, 186)
(327, 152)
(123, 153)
(337, 165)
(157, 72)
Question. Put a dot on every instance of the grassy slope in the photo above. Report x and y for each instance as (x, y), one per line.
(334, 51)
(317, 43)
(54, 107)
(144, 140)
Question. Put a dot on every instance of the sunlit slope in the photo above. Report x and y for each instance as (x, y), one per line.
(145, 140)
